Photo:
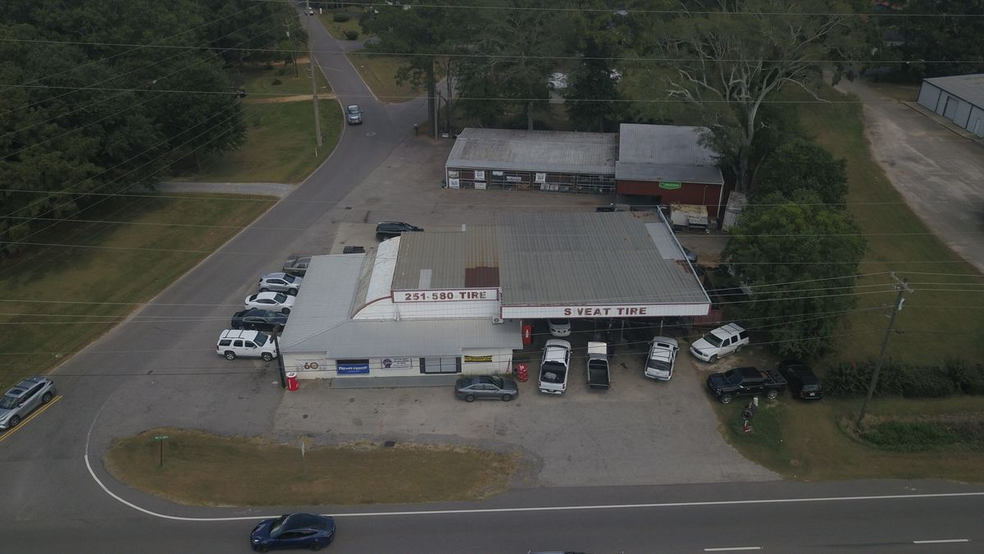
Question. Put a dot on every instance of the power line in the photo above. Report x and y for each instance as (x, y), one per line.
(472, 55)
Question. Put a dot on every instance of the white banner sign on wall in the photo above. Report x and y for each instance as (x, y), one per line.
(541, 178)
(601, 311)
(397, 362)
(480, 185)
(479, 174)
(454, 183)
(445, 295)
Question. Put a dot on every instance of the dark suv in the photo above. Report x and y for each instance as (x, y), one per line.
(803, 383)
(256, 319)
(389, 229)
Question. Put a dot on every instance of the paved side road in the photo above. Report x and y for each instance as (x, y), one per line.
(937, 171)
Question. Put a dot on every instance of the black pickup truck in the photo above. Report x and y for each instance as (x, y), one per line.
(746, 381)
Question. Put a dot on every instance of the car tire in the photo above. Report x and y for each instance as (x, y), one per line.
(470, 398)
(712, 359)
(13, 422)
(772, 394)
(507, 397)
(285, 311)
(266, 356)
(726, 399)
(315, 546)
(230, 355)
(737, 350)
(46, 397)
(292, 292)
(264, 289)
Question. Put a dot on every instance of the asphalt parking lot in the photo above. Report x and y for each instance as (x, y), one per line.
(638, 432)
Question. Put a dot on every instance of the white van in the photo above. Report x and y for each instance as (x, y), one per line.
(719, 342)
(234, 343)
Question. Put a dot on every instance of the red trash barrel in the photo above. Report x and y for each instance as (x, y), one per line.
(292, 381)
(522, 372)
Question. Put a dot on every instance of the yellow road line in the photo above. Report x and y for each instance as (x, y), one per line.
(23, 422)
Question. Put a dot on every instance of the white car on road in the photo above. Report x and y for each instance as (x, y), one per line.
(662, 355)
(273, 301)
(555, 366)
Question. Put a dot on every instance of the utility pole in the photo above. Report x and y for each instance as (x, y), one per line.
(314, 82)
(903, 287)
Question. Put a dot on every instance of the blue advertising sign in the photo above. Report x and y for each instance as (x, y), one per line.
(353, 369)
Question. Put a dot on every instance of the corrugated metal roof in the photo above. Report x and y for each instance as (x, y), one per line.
(536, 151)
(447, 259)
(325, 298)
(967, 87)
(665, 152)
(588, 258)
(369, 339)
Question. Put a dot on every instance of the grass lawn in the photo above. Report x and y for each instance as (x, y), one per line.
(379, 72)
(336, 29)
(280, 147)
(809, 441)
(196, 471)
(103, 275)
(258, 81)
(936, 324)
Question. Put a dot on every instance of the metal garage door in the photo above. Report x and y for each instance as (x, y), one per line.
(950, 111)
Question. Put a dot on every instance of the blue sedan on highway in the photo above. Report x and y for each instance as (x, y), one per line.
(291, 531)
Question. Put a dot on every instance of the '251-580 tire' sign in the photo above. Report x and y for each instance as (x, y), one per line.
(445, 295)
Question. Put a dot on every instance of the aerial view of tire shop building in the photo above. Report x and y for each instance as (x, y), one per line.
(435, 303)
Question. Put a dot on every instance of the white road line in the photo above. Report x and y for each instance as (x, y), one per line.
(732, 548)
(541, 508)
(940, 541)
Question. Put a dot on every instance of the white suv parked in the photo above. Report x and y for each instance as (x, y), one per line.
(662, 355)
(720, 342)
(554, 366)
(234, 343)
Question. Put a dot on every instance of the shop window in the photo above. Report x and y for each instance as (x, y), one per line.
(445, 364)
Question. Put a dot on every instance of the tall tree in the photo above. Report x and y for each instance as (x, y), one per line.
(597, 36)
(945, 32)
(800, 259)
(730, 61)
(802, 164)
(419, 31)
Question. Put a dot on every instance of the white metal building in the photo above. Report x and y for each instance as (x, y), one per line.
(452, 302)
(959, 98)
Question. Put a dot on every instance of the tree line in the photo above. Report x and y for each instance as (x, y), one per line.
(101, 96)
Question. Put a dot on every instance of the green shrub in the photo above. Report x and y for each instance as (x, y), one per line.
(926, 382)
(276, 82)
(351, 34)
(968, 378)
(340, 17)
(911, 436)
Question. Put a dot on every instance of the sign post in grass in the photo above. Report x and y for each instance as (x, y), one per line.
(160, 440)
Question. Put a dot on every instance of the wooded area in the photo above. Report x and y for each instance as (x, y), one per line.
(101, 96)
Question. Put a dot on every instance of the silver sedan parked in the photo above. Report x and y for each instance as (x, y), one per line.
(24, 398)
(280, 282)
(493, 386)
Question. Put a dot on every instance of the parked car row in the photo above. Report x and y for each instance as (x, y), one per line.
(263, 313)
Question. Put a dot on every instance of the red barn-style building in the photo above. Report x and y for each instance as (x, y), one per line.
(668, 163)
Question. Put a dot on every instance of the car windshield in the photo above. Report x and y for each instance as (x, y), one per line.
(553, 372)
(713, 339)
(658, 365)
(280, 297)
(260, 339)
(353, 109)
(275, 526)
(7, 402)
(497, 381)
(289, 278)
